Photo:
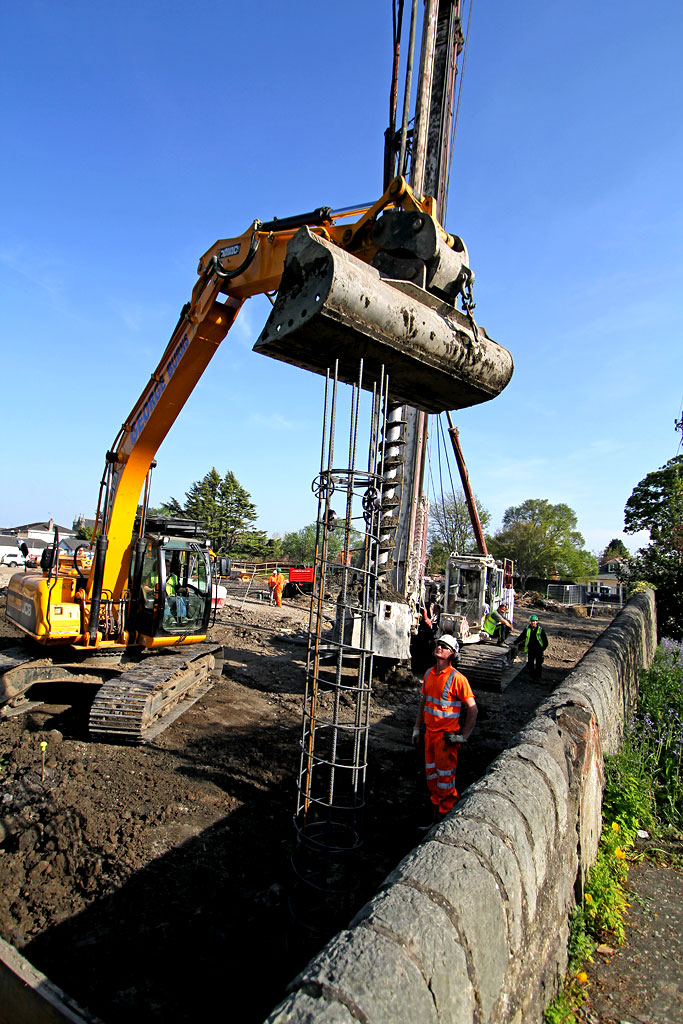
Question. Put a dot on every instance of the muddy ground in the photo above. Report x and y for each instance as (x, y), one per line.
(155, 880)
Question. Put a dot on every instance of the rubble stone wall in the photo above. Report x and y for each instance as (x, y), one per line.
(472, 924)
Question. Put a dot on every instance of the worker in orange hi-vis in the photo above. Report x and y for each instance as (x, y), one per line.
(276, 582)
(446, 699)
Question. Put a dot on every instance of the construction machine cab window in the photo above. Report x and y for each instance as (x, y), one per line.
(463, 592)
(175, 587)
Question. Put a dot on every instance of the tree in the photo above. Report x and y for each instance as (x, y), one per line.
(656, 504)
(650, 505)
(225, 508)
(450, 528)
(172, 507)
(299, 545)
(615, 549)
(542, 540)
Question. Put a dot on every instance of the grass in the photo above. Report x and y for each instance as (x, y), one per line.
(643, 793)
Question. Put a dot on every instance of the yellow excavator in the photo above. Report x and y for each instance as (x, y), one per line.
(129, 612)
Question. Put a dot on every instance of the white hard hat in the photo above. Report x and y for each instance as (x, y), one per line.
(450, 641)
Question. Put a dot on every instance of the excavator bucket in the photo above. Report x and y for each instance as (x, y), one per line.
(332, 306)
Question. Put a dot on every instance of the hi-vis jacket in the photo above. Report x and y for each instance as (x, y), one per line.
(276, 581)
(534, 634)
(445, 693)
(490, 622)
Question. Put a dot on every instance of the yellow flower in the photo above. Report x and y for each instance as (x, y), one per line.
(615, 826)
(619, 853)
(582, 977)
(588, 898)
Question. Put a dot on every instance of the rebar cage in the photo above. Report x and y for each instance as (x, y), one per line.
(336, 709)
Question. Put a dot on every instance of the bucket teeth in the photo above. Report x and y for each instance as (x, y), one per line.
(332, 306)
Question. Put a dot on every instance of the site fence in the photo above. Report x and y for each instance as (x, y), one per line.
(566, 594)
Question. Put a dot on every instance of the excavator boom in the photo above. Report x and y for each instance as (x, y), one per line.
(381, 289)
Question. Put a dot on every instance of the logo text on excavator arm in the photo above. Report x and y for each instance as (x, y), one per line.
(158, 388)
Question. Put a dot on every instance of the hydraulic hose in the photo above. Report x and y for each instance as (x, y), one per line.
(98, 576)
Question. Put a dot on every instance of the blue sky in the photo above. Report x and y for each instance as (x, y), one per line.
(135, 135)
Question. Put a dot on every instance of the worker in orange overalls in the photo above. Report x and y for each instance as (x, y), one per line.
(276, 582)
(445, 692)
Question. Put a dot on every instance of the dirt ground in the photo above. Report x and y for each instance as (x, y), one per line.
(156, 879)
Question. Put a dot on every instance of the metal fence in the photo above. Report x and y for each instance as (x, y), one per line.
(566, 593)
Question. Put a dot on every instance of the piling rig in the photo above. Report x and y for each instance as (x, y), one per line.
(379, 596)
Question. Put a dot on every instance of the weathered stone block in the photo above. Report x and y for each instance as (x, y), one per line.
(371, 975)
(426, 932)
(300, 1008)
(454, 878)
(528, 791)
(498, 813)
(496, 854)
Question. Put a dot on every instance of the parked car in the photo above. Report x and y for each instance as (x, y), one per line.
(13, 559)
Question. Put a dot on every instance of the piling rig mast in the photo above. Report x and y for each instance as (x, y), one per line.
(377, 598)
(427, 151)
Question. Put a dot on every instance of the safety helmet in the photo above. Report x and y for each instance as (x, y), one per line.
(533, 618)
(450, 641)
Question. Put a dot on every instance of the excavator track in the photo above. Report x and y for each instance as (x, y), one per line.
(143, 701)
(488, 666)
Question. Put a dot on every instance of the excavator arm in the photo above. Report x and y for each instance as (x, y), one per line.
(231, 271)
(381, 287)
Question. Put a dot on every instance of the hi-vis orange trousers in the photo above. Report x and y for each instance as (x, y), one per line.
(441, 761)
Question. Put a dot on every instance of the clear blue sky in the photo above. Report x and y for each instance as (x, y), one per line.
(136, 134)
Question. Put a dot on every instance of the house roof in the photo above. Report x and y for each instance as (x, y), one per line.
(41, 526)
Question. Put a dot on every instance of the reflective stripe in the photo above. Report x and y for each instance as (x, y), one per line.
(449, 713)
(432, 764)
(446, 785)
(445, 771)
(443, 706)
(441, 702)
(432, 776)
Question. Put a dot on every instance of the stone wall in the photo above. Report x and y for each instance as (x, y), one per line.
(472, 925)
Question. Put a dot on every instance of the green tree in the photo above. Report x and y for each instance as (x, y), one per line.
(615, 549)
(254, 545)
(225, 508)
(450, 527)
(299, 545)
(542, 539)
(656, 504)
(172, 507)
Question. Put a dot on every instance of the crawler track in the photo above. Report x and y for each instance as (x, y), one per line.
(488, 666)
(149, 696)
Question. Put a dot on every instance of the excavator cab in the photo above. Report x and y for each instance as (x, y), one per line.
(172, 582)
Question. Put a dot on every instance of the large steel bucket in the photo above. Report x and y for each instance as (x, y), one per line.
(332, 306)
